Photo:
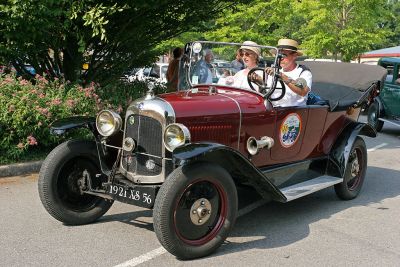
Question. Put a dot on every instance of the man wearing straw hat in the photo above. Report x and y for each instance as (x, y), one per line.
(296, 93)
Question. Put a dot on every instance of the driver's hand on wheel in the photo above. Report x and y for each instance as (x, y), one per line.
(269, 71)
(255, 78)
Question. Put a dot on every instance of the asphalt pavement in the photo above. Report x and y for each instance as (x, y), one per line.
(317, 230)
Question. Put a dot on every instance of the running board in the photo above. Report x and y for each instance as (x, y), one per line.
(305, 188)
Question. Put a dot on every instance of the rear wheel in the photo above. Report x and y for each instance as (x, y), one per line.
(355, 172)
(195, 210)
(62, 180)
(373, 117)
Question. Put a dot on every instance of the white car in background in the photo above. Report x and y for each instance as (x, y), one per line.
(157, 72)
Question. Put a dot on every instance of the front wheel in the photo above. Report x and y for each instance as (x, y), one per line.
(62, 180)
(195, 210)
(354, 174)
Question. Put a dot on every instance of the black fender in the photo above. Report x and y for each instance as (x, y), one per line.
(340, 152)
(241, 169)
(107, 156)
(60, 127)
(381, 108)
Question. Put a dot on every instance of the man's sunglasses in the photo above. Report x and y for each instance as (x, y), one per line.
(287, 54)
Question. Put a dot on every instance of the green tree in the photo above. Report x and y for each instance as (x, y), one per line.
(59, 36)
(325, 28)
(342, 28)
(391, 22)
(260, 21)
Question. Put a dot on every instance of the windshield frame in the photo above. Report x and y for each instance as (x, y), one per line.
(190, 53)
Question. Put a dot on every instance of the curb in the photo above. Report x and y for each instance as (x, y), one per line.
(20, 168)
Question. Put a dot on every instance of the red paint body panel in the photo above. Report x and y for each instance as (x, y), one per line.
(334, 124)
(209, 117)
(218, 117)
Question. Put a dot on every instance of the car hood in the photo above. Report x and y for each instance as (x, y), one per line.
(218, 115)
(221, 101)
(213, 115)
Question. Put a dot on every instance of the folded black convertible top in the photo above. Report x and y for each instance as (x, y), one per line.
(343, 84)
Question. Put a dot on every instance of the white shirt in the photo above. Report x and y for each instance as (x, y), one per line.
(240, 80)
(292, 99)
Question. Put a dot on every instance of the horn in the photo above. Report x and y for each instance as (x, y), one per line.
(254, 145)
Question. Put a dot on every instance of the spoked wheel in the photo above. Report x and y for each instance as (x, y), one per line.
(63, 178)
(355, 172)
(373, 117)
(195, 210)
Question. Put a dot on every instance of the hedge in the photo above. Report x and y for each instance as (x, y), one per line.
(27, 110)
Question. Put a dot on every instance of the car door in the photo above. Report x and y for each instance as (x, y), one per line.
(297, 132)
(390, 94)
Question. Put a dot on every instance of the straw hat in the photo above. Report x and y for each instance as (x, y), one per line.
(249, 45)
(290, 45)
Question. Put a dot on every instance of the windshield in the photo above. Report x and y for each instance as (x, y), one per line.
(226, 63)
(164, 70)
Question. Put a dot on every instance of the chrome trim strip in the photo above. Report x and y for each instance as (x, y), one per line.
(237, 44)
(111, 146)
(240, 120)
(141, 153)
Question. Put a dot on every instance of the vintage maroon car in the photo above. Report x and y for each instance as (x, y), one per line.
(185, 153)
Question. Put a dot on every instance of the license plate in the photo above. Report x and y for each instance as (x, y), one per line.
(142, 196)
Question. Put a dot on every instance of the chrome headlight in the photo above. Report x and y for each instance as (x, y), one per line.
(176, 135)
(108, 122)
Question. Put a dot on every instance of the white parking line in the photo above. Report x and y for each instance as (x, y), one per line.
(143, 258)
(160, 251)
(376, 147)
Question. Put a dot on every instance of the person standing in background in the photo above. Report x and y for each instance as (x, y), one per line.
(203, 69)
(173, 70)
(237, 63)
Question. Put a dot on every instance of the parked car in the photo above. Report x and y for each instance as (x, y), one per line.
(386, 106)
(29, 69)
(141, 75)
(155, 73)
(221, 63)
(159, 72)
(184, 154)
(128, 75)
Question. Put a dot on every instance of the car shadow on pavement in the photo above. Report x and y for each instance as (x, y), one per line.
(280, 224)
(140, 218)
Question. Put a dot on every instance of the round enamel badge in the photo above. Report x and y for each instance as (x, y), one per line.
(290, 130)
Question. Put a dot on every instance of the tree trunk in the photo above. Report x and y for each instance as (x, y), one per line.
(72, 60)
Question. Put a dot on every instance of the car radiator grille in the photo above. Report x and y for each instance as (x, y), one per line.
(147, 132)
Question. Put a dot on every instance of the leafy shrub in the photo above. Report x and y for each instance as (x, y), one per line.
(27, 110)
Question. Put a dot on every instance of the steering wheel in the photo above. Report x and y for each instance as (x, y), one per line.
(263, 85)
